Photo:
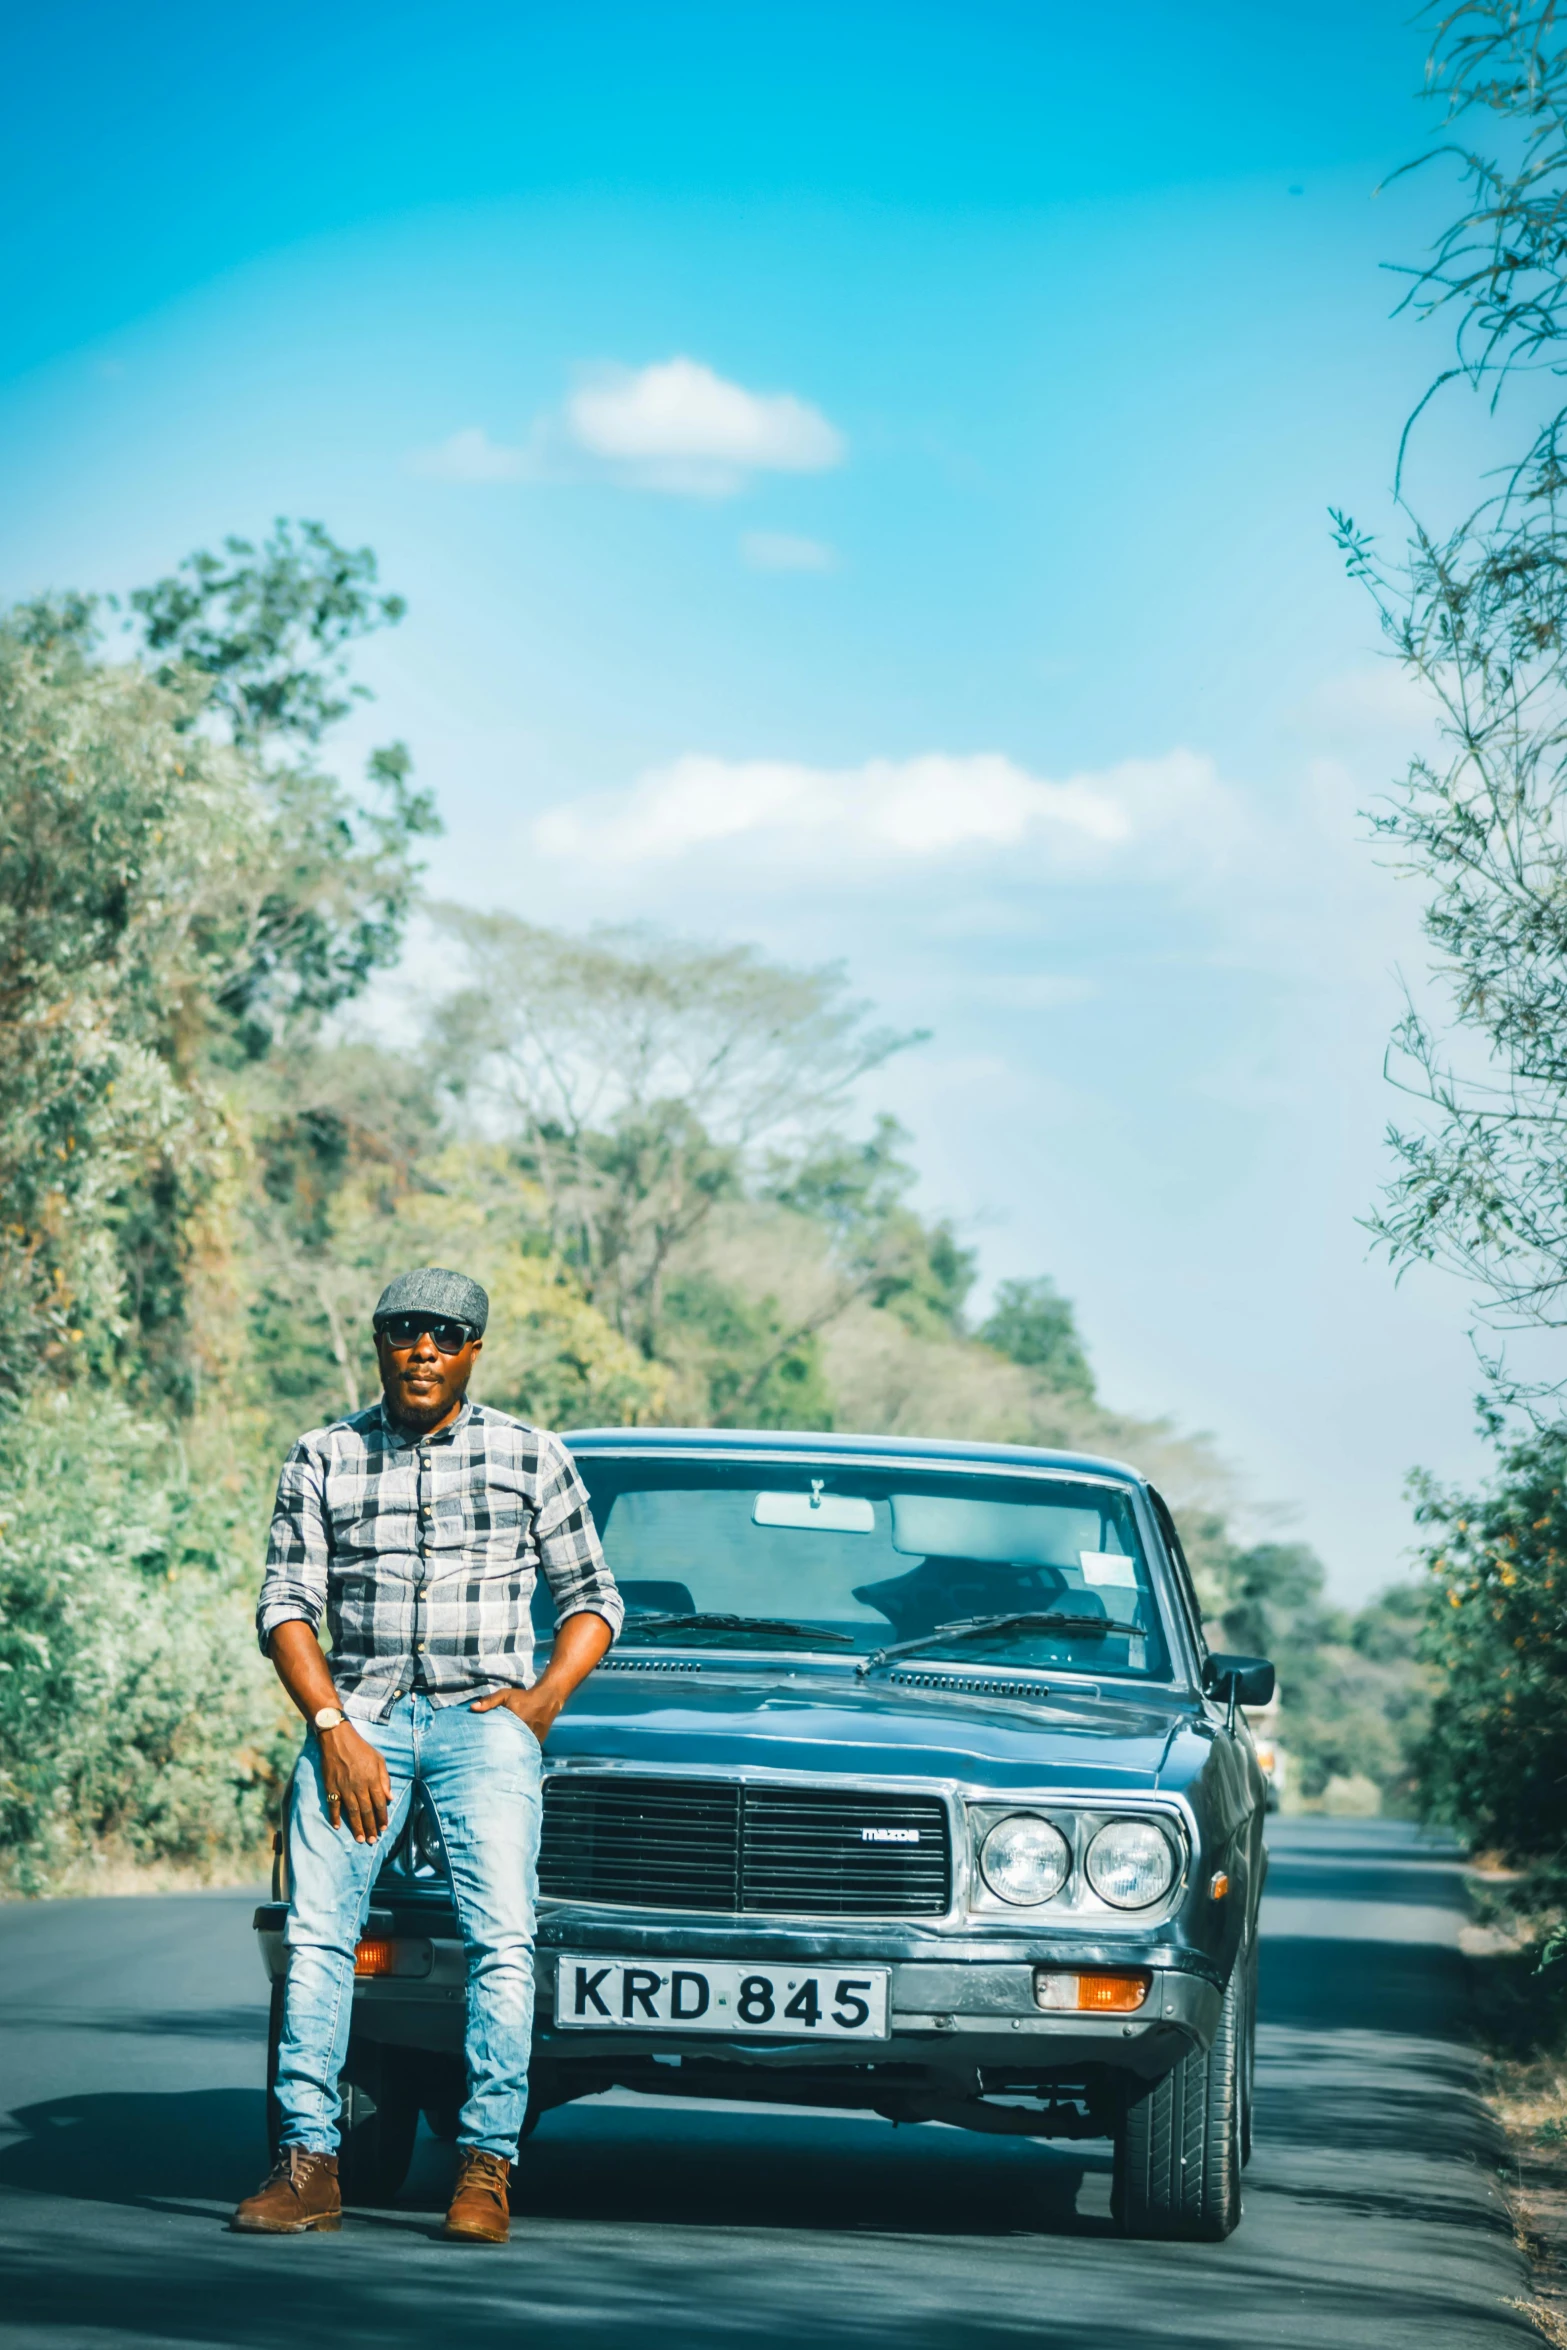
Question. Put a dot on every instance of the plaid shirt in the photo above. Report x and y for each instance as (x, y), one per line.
(421, 1553)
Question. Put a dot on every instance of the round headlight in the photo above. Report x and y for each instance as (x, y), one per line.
(1025, 1859)
(1130, 1864)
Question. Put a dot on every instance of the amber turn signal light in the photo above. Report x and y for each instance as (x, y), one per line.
(1100, 1993)
(375, 1955)
(1218, 1885)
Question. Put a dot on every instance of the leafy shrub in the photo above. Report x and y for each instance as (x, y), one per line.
(1494, 1762)
(136, 1715)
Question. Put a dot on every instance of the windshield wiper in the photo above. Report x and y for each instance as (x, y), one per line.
(704, 1622)
(975, 1628)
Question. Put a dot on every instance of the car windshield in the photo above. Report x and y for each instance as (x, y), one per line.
(758, 1555)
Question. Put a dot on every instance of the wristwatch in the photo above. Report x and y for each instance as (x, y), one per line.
(331, 1717)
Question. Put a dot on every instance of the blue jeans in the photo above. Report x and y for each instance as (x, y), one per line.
(482, 1775)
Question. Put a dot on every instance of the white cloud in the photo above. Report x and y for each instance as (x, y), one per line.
(675, 426)
(678, 426)
(777, 550)
(892, 813)
(471, 455)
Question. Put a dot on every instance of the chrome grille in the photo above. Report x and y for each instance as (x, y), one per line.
(818, 1851)
(656, 1843)
(737, 1850)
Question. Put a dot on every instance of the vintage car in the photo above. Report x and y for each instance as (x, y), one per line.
(910, 1786)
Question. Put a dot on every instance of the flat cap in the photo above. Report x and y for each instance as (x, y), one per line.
(432, 1289)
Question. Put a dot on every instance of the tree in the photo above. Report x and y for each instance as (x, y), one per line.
(132, 862)
(1032, 1323)
(1478, 614)
(175, 902)
(257, 641)
(638, 1078)
(1353, 1695)
(883, 1251)
(268, 631)
(752, 1365)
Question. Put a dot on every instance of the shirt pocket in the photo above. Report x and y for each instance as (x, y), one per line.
(499, 1511)
(370, 1517)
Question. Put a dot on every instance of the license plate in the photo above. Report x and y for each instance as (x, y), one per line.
(711, 1995)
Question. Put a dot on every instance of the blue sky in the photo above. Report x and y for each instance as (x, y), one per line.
(860, 477)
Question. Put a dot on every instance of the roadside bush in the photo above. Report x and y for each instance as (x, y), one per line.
(136, 1718)
(1494, 1761)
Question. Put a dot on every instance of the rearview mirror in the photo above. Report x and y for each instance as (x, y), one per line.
(1239, 1680)
(816, 1512)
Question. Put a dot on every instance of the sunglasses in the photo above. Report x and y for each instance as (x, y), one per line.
(402, 1329)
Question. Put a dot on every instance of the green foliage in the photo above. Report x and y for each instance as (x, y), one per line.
(1477, 615)
(134, 1718)
(358, 1181)
(342, 885)
(1353, 1694)
(267, 631)
(132, 863)
(638, 1078)
(858, 1192)
(1495, 1762)
(170, 910)
(1032, 1323)
(753, 1368)
(256, 645)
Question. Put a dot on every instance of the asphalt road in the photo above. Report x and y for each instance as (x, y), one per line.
(131, 2067)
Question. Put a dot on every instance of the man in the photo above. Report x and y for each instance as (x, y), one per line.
(416, 1529)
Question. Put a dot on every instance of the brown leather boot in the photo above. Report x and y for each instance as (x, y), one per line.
(299, 2192)
(479, 2212)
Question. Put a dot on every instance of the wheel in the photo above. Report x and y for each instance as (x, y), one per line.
(1249, 2068)
(380, 2120)
(1178, 2140)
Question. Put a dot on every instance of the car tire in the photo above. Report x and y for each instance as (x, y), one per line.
(1178, 2140)
(1249, 2068)
(380, 2120)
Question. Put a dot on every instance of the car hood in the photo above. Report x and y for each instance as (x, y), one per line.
(733, 1720)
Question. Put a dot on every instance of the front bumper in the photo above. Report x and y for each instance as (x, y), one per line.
(971, 2009)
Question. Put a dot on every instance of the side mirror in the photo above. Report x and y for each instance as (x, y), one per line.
(1239, 1680)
